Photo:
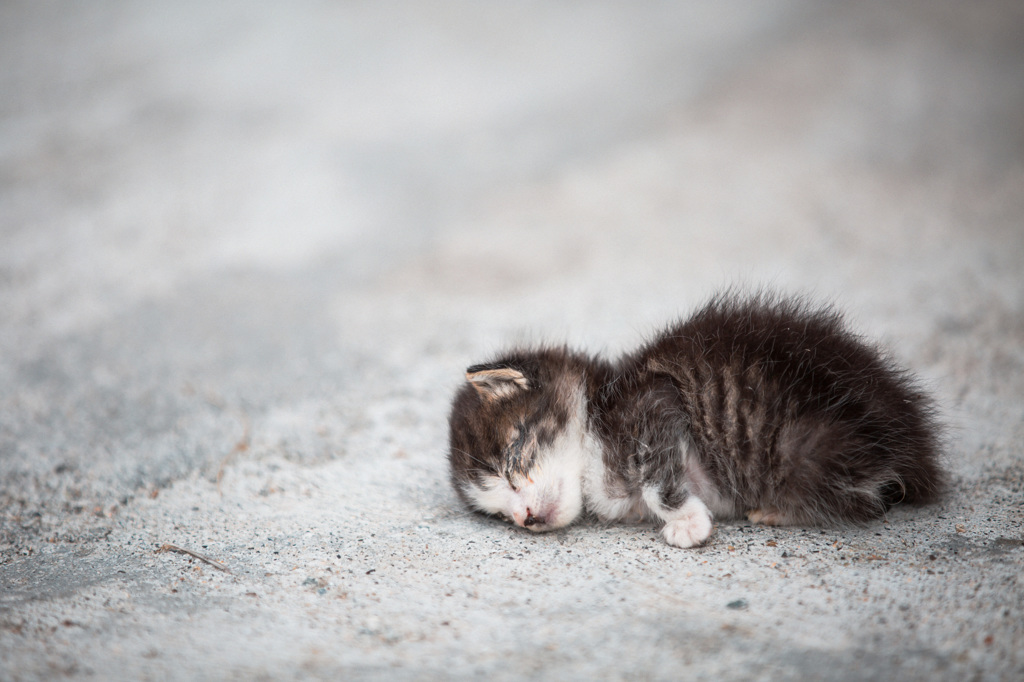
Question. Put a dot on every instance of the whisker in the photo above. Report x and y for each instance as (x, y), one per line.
(479, 461)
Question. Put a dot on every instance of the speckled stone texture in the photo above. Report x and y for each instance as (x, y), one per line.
(248, 249)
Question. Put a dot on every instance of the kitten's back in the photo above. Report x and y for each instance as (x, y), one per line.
(784, 400)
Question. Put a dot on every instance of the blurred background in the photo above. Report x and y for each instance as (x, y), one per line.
(300, 220)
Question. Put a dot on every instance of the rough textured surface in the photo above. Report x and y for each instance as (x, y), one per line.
(247, 251)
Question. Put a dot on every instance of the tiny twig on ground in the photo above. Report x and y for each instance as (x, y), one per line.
(167, 547)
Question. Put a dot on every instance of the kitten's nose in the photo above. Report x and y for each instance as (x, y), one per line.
(531, 520)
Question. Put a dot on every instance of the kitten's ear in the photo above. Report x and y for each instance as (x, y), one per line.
(496, 381)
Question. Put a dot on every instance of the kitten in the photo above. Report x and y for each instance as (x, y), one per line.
(755, 405)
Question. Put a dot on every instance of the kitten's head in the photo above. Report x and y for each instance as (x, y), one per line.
(516, 438)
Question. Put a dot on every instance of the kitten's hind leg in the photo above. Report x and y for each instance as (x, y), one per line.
(767, 517)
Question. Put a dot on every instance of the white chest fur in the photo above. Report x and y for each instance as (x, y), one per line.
(603, 494)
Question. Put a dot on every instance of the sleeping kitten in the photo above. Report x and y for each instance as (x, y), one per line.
(756, 406)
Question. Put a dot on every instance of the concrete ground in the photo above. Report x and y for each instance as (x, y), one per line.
(249, 248)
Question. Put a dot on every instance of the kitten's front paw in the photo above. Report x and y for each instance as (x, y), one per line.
(689, 531)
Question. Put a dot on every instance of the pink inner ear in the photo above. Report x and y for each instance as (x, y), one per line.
(497, 383)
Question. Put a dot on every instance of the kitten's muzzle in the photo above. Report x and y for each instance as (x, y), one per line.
(532, 520)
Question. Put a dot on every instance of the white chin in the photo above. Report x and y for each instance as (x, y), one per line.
(559, 515)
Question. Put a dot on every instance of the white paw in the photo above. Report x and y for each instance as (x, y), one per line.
(690, 530)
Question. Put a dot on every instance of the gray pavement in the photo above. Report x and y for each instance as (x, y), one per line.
(246, 251)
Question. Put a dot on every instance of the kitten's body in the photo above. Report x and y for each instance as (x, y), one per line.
(752, 406)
